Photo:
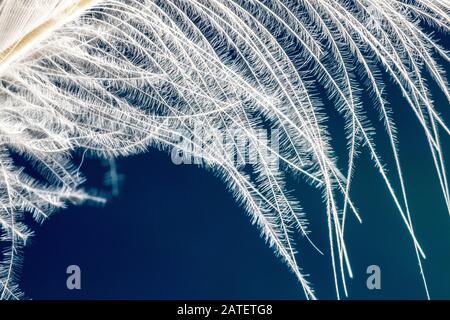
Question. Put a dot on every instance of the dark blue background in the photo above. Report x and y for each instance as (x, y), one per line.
(174, 232)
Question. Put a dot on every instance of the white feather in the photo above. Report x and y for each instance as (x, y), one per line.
(115, 77)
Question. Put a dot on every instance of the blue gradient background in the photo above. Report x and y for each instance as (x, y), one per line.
(174, 232)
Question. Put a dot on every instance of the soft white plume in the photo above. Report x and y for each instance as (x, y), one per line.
(116, 77)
